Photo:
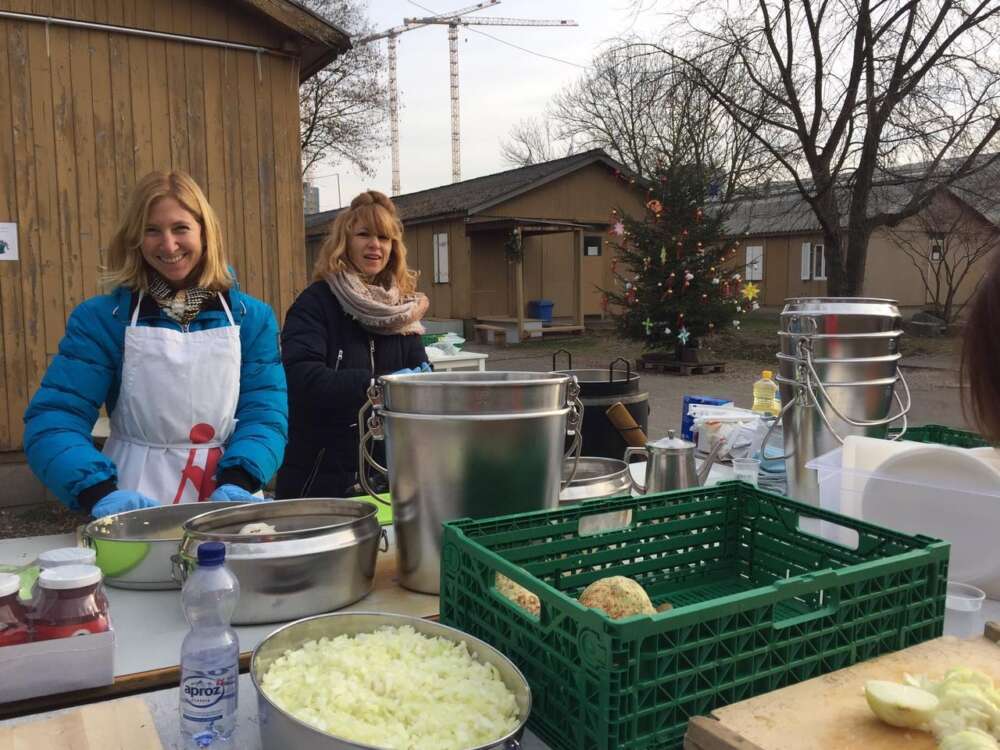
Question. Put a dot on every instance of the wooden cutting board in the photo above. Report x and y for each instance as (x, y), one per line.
(830, 712)
(124, 724)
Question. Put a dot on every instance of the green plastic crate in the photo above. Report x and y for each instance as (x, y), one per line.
(936, 433)
(757, 604)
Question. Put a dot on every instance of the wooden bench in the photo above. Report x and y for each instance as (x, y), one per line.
(484, 330)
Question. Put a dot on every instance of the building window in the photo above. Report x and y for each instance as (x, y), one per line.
(441, 258)
(813, 262)
(754, 263)
(591, 245)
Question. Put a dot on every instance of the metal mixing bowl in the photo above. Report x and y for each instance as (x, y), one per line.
(134, 548)
(321, 556)
(280, 730)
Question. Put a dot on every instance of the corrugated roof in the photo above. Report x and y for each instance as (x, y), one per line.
(781, 209)
(469, 196)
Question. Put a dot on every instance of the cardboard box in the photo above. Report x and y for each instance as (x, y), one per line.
(57, 666)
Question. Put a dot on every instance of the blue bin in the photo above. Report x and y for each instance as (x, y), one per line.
(541, 309)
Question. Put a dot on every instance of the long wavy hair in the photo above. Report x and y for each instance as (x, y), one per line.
(126, 266)
(980, 373)
(377, 212)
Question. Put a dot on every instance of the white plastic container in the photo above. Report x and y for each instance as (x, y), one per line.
(939, 491)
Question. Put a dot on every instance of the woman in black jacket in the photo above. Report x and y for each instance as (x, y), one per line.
(360, 319)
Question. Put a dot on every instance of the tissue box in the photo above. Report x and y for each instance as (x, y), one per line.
(56, 666)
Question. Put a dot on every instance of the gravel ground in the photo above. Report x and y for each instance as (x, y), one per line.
(935, 389)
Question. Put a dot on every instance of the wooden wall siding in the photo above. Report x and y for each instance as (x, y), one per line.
(84, 114)
(451, 300)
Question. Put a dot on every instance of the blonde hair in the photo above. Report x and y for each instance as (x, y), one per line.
(375, 211)
(126, 266)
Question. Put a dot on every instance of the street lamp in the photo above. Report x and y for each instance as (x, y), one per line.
(340, 202)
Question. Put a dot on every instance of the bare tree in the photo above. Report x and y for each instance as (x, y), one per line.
(645, 112)
(944, 242)
(860, 87)
(343, 108)
(532, 141)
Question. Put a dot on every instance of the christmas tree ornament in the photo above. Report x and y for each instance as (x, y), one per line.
(736, 324)
(654, 206)
(666, 331)
(618, 229)
(688, 276)
(711, 326)
(663, 255)
(683, 335)
(715, 281)
(750, 291)
(648, 325)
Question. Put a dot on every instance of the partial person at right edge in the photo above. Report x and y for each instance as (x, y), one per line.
(358, 320)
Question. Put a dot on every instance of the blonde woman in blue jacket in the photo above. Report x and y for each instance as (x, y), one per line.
(186, 363)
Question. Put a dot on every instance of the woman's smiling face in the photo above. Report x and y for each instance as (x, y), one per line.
(172, 242)
(368, 251)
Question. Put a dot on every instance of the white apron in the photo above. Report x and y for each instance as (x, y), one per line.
(176, 409)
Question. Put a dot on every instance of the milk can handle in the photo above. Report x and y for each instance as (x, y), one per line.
(633, 451)
(574, 422)
(813, 377)
(569, 358)
(373, 432)
(611, 370)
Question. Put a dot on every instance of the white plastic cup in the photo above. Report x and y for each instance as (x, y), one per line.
(746, 469)
(963, 616)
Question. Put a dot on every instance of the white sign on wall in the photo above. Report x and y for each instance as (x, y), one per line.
(8, 241)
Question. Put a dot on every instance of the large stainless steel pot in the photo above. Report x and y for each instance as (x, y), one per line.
(843, 346)
(840, 370)
(474, 392)
(320, 558)
(840, 315)
(134, 548)
(451, 464)
(279, 730)
(596, 477)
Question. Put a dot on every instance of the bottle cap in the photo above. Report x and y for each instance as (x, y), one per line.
(69, 577)
(53, 558)
(9, 584)
(766, 374)
(211, 554)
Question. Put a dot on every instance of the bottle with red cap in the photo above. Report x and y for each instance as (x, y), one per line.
(69, 601)
(13, 617)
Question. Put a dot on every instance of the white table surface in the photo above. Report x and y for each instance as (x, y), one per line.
(164, 710)
(150, 625)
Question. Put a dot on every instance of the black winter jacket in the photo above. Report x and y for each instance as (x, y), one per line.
(328, 361)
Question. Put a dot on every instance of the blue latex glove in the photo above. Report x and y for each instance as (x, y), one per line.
(120, 501)
(405, 371)
(234, 493)
(425, 367)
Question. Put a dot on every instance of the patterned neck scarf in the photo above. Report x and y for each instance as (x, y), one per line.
(182, 305)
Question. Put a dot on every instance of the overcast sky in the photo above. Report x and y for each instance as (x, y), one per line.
(499, 84)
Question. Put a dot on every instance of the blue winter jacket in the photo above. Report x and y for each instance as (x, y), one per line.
(86, 373)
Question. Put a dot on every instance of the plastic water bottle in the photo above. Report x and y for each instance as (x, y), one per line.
(765, 392)
(210, 653)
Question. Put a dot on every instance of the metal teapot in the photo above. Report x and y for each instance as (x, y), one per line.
(670, 464)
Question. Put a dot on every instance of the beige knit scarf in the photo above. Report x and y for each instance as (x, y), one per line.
(378, 310)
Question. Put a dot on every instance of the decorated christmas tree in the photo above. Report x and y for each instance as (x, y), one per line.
(676, 278)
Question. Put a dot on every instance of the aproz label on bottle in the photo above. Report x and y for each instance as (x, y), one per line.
(202, 691)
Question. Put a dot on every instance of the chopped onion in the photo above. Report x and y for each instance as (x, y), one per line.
(394, 688)
(900, 705)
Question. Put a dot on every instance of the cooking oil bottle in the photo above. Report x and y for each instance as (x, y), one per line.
(765, 395)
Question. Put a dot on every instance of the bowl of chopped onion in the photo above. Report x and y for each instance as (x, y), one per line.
(365, 680)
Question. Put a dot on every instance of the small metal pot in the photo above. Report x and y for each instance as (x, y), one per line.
(596, 477)
(280, 730)
(320, 558)
(134, 548)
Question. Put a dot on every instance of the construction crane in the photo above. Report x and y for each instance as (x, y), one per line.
(453, 21)
(390, 35)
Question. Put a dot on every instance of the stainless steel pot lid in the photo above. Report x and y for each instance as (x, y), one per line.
(164, 523)
(594, 469)
(290, 519)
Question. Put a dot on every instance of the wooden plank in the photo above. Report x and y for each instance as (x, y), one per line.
(13, 394)
(121, 106)
(271, 261)
(680, 368)
(68, 189)
(708, 734)
(292, 272)
(86, 167)
(159, 105)
(247, 96)
(104, 133)
(139, 51)
(180, 157)
(46, 194)
(194, 64)
(215, 134)
(234, 164)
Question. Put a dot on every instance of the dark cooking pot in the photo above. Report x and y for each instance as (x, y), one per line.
(600, 389)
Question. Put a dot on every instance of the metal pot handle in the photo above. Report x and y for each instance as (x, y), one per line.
(574, 425)
(373, 432)
(569, 358)
(512, 744)
(178, 570)
(770, 430)
(611, 369)
(629, 452)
